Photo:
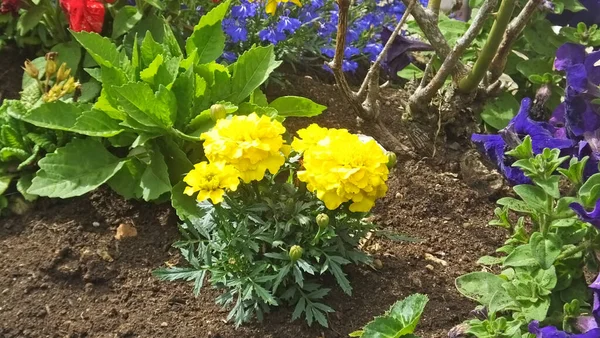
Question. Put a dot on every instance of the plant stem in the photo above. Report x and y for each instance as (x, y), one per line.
(434, 6)
(375, 66)
(184, 136)
(470, 83)
(573, 251)
(514, 30)
(426, 92)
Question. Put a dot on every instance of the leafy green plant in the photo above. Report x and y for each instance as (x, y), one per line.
(400, 321)
(542, 270)
(155, 100)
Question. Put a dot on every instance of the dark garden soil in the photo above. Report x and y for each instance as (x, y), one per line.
(63, 274)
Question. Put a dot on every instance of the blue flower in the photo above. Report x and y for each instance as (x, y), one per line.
(287, 24)
(235, 29)
(271, 35)
(229, 57)
(553, 332)
(592, 217)
(373, 50)
(245, 10)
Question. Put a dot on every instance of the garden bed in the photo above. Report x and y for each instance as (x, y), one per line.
(66, 275)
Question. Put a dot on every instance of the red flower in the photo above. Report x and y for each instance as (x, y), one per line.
(9, 6)
(84, 15)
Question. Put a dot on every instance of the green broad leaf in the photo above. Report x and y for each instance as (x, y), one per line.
(23, 185)
(534, 196)
(521, 256)
(399, 321)
(158, 4)
(78, 168)
(208, 39)
(479, 286)
(516, 205)
(499, 111)
(150, 49)
(170, 40)
(562, 209)
(410, 72)
(250, 71)
(69, 53)
(563, 223)
(550, 185)
(490, 260)
(10, 137)
(147, 108)
(30, 19)
(97, 123)
(409, 311)
(155, 179)
(536, 311)
(126, 182)
(184, 89)
(126, 18)
(54, 115)
(259, 98)
(101, 49)
(177, 160)
(590, 191)
(500, 301)
(573, 5)
(538, 66)
(545, 250)
(90, 91)
(4, 183)
(185, 206)
(296, 106)
(357, 333)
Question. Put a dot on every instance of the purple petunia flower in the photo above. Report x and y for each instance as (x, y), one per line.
(592, 217)
(271, 34)
(542, 136)
(398, 56)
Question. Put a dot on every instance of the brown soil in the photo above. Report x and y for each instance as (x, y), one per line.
(64, 274)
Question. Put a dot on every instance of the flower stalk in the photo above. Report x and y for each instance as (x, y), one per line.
(477, 73)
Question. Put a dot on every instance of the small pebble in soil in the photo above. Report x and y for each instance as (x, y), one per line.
(95, 224)
(429, 267)
(164, 324)
(377, 263)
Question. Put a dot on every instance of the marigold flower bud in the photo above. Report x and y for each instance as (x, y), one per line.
(296, 252)
(392, 159)
(217, 112)
(322, 220)
(31, 69)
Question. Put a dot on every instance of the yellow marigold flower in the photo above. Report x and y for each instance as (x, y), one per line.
(271, 7)
(251, 144)
(339, 167)
(210, 181)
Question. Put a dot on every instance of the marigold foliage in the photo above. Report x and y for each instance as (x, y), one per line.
(210, 180)
(339, 167)
(251, 144)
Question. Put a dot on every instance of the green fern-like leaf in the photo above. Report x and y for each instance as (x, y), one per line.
(11, 138)
(8, 154)
(43, 141)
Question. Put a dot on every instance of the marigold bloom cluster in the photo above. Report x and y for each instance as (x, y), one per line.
(210, 180)
(339, 167)
(251, 144)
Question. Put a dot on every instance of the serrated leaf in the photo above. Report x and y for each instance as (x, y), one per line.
(296, 106)
(265, 295)
(141, 103)
(101, 49)
(340, 277)
(155, 179)
(55, 115)
(97, 123)
(208, 39)
(250, 71)
(30, 19)
(125, 19)
(23, 185)
(79, 167)
(300, 306)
